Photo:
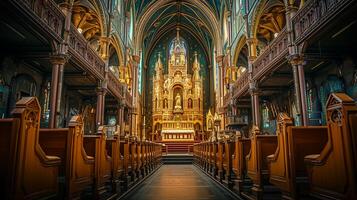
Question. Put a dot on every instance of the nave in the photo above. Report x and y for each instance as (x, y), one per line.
(176, 182)
(260, 96)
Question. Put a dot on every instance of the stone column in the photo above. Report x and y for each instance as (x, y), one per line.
(101, 92)
(254, 93)
(120, 109)
(296, 62)
(58, 62)
(253, 88)
(219, 60)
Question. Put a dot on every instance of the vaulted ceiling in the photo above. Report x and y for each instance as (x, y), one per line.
(197, 18)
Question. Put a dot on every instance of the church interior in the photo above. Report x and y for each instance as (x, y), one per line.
(178, 99)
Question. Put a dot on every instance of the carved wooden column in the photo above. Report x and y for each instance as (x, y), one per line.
(101, 92)
(58, 63)
(219, 60)
(254, 93)
(135, 117)
(120, 108)
(296, 62)
(253, 86)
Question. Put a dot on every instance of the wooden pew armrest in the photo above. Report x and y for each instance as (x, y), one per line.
(312, 159)
(271, 158)
(53, 161)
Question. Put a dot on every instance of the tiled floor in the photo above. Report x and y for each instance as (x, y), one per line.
(179, 182)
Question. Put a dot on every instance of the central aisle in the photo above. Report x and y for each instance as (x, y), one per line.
(178, 182)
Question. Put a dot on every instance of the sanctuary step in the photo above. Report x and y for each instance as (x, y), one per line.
(177, 147)
(177, 159)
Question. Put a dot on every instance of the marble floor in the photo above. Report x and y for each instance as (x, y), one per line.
(179, 182)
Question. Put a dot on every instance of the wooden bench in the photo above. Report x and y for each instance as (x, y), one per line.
(333, 172)
(103, 163)
(241, 150)
(78, 167)
(134, 159)
(213, 158)
(227, 162)
(286, 165)
(28, 172)
(219, 160)
(257, 166)
(127, 163)
(139, 160)
(117, 162)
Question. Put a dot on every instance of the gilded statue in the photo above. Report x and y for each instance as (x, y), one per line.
(178, 101)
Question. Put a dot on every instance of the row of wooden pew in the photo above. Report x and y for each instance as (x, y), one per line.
(296, 163)
(65, 163)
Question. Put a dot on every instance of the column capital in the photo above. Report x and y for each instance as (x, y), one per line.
(253, 87)
(252, 41)
(136, 59)
(296, 59)
(101, 91)
(59, 59)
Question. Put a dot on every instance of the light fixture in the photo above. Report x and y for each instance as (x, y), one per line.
(276, 35)
(79, 30)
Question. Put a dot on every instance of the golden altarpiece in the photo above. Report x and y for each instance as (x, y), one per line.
(177, 96)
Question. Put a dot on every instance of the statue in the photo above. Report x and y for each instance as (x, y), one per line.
(178, 101)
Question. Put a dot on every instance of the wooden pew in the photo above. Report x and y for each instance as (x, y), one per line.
(219, 160)
(333, 172)
(286, 165)
(127, 163)
(78, 167)
(213, 158)
(139, 160)
(103, 163)
(241, 150)
(27, 171)
(206, 155)
(257, 166)
(117, 162)
(227, 162)
(134, 164)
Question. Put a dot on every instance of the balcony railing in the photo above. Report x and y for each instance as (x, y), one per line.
(48, 15)
(83, 52)
(315, 14)
(241, 85)
(237, 120)
(227, 98)
(275, 51)
(114, 85)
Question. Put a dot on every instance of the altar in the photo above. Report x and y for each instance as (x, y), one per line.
(177, 95)
(177, 135)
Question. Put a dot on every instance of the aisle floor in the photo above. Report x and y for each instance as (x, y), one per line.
(179, 182)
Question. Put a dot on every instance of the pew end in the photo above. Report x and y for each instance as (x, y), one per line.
(286, 165)
(30, 173)
(257, 165)
(330, 172)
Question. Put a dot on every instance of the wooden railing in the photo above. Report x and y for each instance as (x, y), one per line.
(227, 98)
(114, 85)
(275, 51)
(81, 50)
(241, 120)
(241, 85)
(48, 15)
(315, 14)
